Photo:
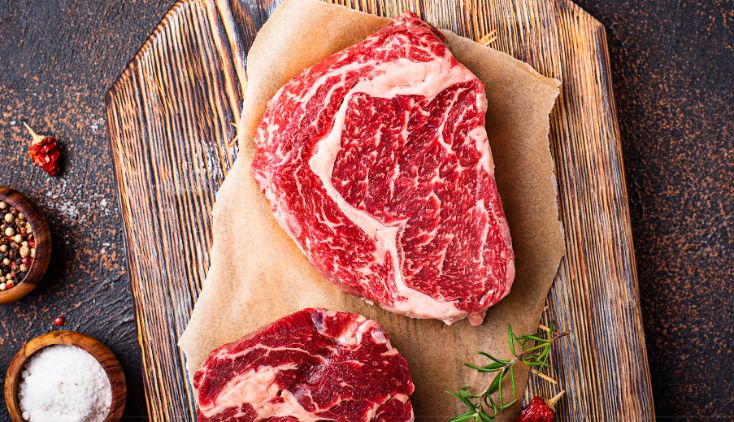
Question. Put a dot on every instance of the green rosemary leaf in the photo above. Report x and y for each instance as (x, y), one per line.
(492, 367)
(545, 357)
(485, 417)
(478, 368)
(511, 339)
(463, 417)
(498, 365)
(542, 366)
(533, 337)
(492, 405)
(487, 399)
(541, 346)
(463, 395)
(522, 342)
(508, 405)
(499, 387)
(493, 386)
(496, 407)
(488, 356)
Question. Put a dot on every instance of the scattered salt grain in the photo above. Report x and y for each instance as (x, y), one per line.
(64, 384)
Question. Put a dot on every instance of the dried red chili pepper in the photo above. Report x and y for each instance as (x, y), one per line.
(540, 410)
(536, 411)
(44, 152)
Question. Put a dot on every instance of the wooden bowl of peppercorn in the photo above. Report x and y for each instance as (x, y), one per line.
(25, 245)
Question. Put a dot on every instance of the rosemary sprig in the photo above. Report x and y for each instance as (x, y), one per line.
(530, 350)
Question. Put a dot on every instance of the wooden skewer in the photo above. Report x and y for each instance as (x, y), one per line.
(544, 376)
(553, 400)
(489, 38)
(233, 139)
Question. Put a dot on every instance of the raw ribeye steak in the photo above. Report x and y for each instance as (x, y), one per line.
(313, 365)
(376, 162)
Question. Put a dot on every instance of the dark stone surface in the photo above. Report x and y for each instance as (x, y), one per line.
(673, 68)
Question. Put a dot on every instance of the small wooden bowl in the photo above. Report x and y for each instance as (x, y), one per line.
(42, 236)
(93, 346)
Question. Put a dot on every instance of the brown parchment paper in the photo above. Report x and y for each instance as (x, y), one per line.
(258, 274)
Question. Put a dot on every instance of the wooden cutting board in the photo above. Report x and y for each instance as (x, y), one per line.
(171, 116)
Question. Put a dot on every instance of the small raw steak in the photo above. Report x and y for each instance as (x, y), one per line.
(313, 365)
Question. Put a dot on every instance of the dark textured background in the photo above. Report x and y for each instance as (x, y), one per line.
(673, 72)
(673, 67)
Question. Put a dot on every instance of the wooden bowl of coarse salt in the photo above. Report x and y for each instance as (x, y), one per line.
(65, 374)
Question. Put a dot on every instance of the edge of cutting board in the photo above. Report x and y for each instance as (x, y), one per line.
(168, 116)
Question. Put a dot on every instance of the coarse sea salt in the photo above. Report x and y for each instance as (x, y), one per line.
(64, 384)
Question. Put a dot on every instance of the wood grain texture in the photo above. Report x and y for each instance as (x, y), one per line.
(171, 117)
(169, 111)
(94, 347)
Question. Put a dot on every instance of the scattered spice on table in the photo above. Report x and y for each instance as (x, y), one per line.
(45, 152)
(64, 382)
(17, 246)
